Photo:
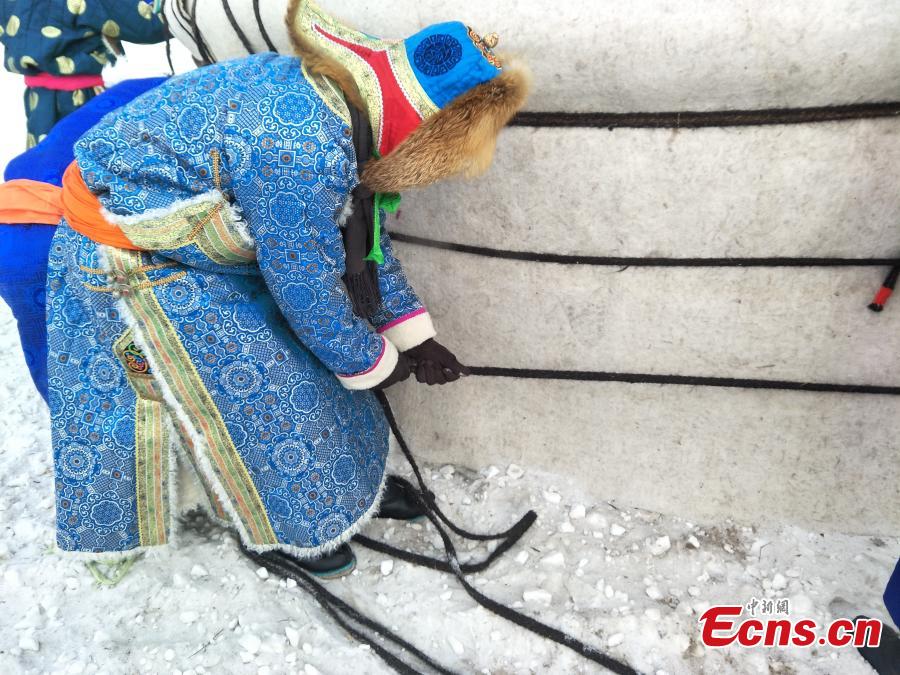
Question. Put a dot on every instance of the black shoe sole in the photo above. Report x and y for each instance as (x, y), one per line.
(336, 573)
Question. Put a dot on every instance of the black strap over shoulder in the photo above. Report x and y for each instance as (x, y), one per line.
(361, 275)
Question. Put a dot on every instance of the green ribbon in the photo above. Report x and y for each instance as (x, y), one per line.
(389, 202)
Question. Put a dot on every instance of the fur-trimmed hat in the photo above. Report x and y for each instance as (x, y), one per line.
(436, 100)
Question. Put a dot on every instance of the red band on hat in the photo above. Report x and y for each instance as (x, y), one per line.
(399, 118)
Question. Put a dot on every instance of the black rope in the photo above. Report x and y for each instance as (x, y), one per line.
(529, 623)
(165, 22)
(716, 118)
(441, 565)
(262, 28)
(178, 9)
(621, 261)
(346, 615)
(169, 56)
(205, 52)
(343, 613)
(428, 495)
(456, 568)
(237, 29)
(510, 537)
(683, 380)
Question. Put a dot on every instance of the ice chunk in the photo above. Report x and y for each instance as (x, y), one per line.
(537, 595)
(188, 617)
(199, 571)
(660, 545)
(27, 643)
(515, 471)
(653, 592)
(555, 559)
(250, 643)
(293, 635)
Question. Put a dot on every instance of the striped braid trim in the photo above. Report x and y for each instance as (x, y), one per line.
(187, 397)
(209, 221)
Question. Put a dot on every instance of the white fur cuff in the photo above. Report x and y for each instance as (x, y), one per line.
(409, 331)
(375, 375)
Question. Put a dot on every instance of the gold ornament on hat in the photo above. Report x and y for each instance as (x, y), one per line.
(485, 45)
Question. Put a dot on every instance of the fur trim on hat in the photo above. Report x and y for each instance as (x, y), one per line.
(318, 62)
(457, 140)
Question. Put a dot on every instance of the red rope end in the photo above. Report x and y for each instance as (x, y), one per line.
(887, 288)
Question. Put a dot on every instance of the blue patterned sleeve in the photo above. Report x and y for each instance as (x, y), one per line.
(302, 262)
(293, 166)
(402, 317)
(128, 21)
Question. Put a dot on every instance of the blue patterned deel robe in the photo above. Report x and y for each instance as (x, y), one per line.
(230, 336)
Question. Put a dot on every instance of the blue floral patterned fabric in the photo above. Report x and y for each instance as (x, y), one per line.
(398, 298)
(284, 153)
(92, 408)
(24, 248)
(229, 332)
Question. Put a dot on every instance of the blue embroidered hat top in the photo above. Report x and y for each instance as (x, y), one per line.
(449, 59)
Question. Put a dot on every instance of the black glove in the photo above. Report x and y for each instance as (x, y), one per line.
(401, 371)
(435, 364)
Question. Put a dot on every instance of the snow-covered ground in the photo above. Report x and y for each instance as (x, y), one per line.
(630, 581)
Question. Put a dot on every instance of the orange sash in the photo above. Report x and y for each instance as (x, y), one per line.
(83, 212)
(25, 201)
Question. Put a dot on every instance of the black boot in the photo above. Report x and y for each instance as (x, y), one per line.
(332, 566)
(399, 500)
(885, 658)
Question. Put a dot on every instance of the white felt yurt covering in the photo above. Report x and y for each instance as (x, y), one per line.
(828, 189)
